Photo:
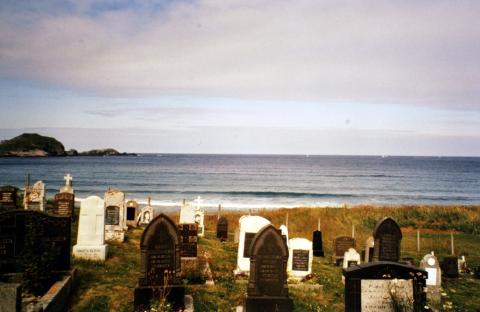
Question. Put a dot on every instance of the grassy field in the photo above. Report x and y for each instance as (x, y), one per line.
(109, 286)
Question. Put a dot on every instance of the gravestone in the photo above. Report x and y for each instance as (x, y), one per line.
(317, 244)
(300, 258)
(64, 204)
(115, 216)
(199, 216)
(222, 229)
(249, 226)
(351, 257)
(27, 234)
(160, 264)
(284, 231)
(34, 198)
(188, 239)
(462, 265)
(477, 272)
(68, 187)
(132, 212)
(387, 238)
(430, 264)
(236, 235)
(146, 214)
(8, 198)
(384, 286)
(91, 230)
(450, 267)
(369, 247)
(190, 213)
(341, 244)
(267, 288)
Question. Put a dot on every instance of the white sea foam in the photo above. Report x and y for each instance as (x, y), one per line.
(233, 205)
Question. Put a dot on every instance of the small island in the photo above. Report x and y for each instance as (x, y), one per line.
(36, 145)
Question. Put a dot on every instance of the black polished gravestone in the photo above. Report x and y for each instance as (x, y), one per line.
(160, 265)
(222, 229)
(188, 239)
(267, 288)
(341, 245)
(8, 198)
(450, 267)
(384, 286)
(317, 244)
(26, 234)
(387, 238)
(112, 215)
(64, 204)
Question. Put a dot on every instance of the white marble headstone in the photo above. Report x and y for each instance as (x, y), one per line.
(115, 215)
(350, 256)
(369, 243)
(249, 226)
(430, 264)
(91, 230)
(34, 198)
(300, 257)
(193, 213)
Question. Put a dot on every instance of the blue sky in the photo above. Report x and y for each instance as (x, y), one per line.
(303, 77)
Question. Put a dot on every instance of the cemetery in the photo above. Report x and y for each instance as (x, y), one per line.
(113, 254)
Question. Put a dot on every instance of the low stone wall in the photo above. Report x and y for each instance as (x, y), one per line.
(56, 298)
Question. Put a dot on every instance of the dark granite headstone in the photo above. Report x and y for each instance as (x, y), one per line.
(188, 239)
(477, 272)
(160, 264)
(50, 235)
(267, 288)
(387, 236)
(317, 244)
(378, 286)
(64, 204)
(8, 198)
(450, 267)
(247, 244)
(300, 260)
(222, 229)
(341, 245)
(112, 215)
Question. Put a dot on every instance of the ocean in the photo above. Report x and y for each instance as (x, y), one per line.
(259, 181)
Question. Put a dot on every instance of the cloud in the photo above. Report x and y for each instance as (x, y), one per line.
(322, 51)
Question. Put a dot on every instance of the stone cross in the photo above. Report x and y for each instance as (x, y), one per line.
(68, 179)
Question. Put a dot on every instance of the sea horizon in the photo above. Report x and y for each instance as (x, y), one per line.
(240, 181)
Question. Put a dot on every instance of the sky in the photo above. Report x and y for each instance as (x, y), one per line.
(240, 76)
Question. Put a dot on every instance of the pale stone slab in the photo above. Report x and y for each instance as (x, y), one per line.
(91, 230)
(351, 256)
(34, 198)
(430, 264)
(115, 215)
(249, 226)
(379, 295)
(193, 213)
(300, 258)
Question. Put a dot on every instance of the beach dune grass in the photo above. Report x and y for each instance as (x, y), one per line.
(109, 286)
